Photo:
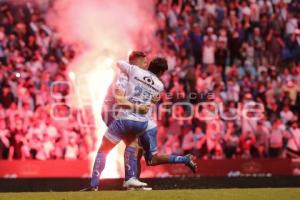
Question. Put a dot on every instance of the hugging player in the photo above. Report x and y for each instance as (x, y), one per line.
(135, 88)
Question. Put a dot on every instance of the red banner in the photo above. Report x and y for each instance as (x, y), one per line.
(81, 168)
(235, 167)
(48, 168)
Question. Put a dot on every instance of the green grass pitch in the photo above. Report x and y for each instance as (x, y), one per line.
(199, 194)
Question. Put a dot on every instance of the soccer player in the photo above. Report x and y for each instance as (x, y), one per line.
(148, 141)
(131, 120)
(108, 113)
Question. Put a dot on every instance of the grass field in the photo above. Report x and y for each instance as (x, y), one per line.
(205, 194)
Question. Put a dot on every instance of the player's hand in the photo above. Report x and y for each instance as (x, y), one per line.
(143, 109)
(155, 99)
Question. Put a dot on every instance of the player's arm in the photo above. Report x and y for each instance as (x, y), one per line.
(155, 99)
(124, 67)
(121, 98)
(122, 101)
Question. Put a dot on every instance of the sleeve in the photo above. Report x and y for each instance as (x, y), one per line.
(124, 67)
(121, 81)
(161, 87)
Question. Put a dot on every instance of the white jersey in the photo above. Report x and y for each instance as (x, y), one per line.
(142, 86)
(120, 81)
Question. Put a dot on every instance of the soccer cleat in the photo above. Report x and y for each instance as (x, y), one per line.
(139, 189)
(134, 182)
(95, 189)
(191, 164)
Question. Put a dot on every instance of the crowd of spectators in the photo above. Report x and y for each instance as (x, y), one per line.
(231, 53)
(221, 55)
(32, 58)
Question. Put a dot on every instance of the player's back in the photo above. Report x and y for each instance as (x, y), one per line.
(142, 86)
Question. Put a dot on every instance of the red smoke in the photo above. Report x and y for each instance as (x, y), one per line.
(103, 31)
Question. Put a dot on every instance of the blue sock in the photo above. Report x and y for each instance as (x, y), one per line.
(99, 165)
(178, 159)
(130, 162)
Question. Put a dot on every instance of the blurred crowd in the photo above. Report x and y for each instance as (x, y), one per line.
(32, 59)
(222, 55)
(231, 53)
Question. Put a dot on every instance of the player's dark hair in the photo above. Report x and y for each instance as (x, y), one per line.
(158, 66)
(136, 54)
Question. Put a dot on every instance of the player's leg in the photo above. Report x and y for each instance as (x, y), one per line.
(139, 157)
(131, 166)
(133, 154)
(100, 161)
(130, 161)
(149, 143)
(130, 155)
(112, 137)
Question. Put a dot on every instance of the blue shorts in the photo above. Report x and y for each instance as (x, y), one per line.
(148, 142)
(122, 129)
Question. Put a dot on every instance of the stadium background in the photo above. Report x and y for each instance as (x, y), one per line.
(55, 67)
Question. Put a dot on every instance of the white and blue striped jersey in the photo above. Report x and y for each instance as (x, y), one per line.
(142, 85)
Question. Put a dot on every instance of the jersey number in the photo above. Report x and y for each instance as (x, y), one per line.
(138, 91)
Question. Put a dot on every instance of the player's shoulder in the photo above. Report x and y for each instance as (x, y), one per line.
(158, 82)
(127, 67)
(136, 69)
(161, 85)
(156, 79)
